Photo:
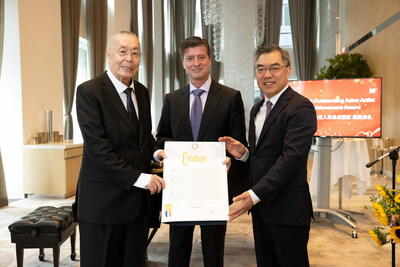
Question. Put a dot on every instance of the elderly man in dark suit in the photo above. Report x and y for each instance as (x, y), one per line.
(281, 128)
(222, 114)
(112, 196)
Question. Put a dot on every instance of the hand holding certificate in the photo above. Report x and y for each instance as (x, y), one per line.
(196, 179)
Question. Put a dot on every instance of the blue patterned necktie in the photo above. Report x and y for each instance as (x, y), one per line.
(131, 107)
(196, 113)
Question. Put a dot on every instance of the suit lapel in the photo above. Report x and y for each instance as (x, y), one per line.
(209, 109)
(252, 128)
(140, 100)
(279, 106)
(115, 99)
(183, 108)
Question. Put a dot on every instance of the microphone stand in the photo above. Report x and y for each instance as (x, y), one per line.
(394, 156)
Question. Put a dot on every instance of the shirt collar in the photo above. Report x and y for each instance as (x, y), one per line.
(205, 86)
(275, 98)
(119, 86)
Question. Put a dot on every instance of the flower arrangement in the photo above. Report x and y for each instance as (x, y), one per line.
(386, 207)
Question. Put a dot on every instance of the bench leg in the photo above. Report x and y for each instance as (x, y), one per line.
(41, 254)
(73, 237)
(20, 255)
(56, 255)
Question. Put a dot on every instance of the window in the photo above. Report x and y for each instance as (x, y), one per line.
(198, 31)
(167, 42)
(285, 38)
(286, 42)
(82, 75)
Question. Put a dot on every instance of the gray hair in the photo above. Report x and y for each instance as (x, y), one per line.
(266, 49)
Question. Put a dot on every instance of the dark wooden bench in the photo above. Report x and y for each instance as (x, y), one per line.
(45, 227)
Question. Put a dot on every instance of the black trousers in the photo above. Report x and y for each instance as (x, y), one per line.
(114, 245)
(212, 242)
(280, 245)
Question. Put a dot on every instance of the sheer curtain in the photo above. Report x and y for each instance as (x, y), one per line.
(179, 19)
(134, 22)
(304, 32)
(96, 13)
(145, 38)
(184, 11)
(147, 44)
(134, 17)
(273, 16)
(70, 18)
(3, 188)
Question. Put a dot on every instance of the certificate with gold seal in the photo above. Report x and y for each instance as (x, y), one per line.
(196, 183)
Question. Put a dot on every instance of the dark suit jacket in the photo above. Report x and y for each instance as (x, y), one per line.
(115, 153)
(223, 115)
(278, 164)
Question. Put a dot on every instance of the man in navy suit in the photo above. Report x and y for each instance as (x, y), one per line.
(113, 112)
(281, 128)
(223, 114)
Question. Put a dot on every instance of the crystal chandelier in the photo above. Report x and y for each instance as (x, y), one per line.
(215, 13)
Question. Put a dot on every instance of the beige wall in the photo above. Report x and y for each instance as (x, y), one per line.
(41, 60)
(382, 53)
(32, 75)
(41, 65)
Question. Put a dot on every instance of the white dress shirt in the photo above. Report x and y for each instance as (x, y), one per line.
(203, 97)
(121, 91)
(144, 178)
(259, 123)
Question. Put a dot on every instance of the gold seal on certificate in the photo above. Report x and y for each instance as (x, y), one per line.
(196, 183)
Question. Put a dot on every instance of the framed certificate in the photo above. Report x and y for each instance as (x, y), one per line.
(196, 183)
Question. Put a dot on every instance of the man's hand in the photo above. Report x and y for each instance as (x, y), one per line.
(245, 206)
(161, 156)
(228, 163)
(233, 146)
(155, 184)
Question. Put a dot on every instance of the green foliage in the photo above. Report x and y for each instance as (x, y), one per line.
(345, 66)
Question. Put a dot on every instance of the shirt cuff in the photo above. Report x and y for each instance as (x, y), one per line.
(245, 157)
(254, 197)
(143, 180)
(155, 155)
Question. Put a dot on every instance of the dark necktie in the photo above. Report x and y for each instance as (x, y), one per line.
(269, 105)
(259, 123)
(131, 107)
(196, 113)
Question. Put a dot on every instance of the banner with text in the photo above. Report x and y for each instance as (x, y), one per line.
(345, 107)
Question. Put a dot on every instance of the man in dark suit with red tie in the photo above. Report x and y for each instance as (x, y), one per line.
(281, 128)
(202, 111)
(113, 111)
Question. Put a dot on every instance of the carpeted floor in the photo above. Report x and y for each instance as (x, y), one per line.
(330, 244)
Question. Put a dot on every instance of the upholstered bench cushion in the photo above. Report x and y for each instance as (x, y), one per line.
(45, 227)
(44, 221)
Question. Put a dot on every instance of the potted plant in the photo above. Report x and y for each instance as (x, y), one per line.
(345, 66)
